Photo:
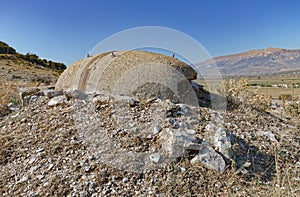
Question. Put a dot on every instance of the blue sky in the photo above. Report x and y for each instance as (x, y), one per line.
(66, 30)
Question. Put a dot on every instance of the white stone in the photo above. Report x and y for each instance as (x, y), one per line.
(269, 135)
(125, 180)
(50, 167)
(32, 160)
(177, 142)
(156, 129)
(209, 158)
(155, 157)
(220, 139)
(57, 100)
(23, 179)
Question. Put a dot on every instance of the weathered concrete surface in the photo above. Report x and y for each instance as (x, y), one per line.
(127, 72)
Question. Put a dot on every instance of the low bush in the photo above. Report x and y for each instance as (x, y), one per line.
(286, 97)
(238, 95)
(293, 109)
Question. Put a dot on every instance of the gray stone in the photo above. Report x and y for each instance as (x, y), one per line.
(13, 107)
(26, 93)
(156, 129)
(184, 109)
(100, 98)
(220, 139)
(268, 135)
(50, 93)
(155, 157)
(209, 158)
(57, 100)
(177, 142)
(76, 94)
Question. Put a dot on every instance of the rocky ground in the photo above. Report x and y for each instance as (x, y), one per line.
(13, 68)
(96, 145)
(17, 73)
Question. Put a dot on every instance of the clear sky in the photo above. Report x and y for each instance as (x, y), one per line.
(66, 30)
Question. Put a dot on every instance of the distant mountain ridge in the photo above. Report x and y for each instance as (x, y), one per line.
(258, 62)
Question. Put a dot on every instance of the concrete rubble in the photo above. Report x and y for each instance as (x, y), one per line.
(84, 142)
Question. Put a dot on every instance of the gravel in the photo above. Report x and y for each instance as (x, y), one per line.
(57, 150)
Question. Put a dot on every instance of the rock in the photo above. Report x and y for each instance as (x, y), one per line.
(32, 160)
(156, 129)
(268, 135)
(13, 107)
(57, 100)
(39, 177)
(23, 179)
(155, 157)
(100, 98)
(208, 157)
(220, 139)
(50, 166)
(50, 93)
(125, 180)
(33, 99)
(26, 94)
(76, 94)
(183, 169)
(184, 109)
(177, 142)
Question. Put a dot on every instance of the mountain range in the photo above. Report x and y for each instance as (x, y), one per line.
(258, 62)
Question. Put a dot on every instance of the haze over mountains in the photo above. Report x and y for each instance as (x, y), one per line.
(259, 62)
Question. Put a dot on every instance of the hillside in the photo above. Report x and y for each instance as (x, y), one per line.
(28, 67)
(259, 62)
(14, 68)
(21, 71)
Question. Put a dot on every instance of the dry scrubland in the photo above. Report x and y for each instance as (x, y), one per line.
(16, 73)
(43, 154)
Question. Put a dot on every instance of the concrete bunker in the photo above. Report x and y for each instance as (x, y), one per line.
(132, 73)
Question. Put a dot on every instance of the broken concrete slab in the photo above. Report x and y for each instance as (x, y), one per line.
(208, 157)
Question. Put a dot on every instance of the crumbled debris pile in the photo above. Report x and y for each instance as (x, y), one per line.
(94, 145)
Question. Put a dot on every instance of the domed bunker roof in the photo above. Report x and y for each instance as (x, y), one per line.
(132, 73)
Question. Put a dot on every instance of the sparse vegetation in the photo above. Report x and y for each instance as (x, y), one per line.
(33, 58)
(8, 94)
(17, 71)
(286, 97)
(238, 94)
(293, 109)
(6, 49)
(7, 52)
(45, 141)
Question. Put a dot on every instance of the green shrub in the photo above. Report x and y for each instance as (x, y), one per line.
(287, 97)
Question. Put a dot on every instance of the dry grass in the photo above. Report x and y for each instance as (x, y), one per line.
(239, 95)
(286, 154)
(17, 73)
(276, 176)
(8, 93)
